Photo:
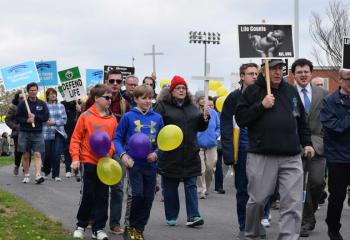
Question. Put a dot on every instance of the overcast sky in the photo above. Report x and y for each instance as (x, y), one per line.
(92, 33)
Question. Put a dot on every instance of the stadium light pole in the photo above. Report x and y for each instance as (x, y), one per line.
(205, 38)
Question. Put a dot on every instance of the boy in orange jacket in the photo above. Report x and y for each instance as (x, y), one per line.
(94, 192)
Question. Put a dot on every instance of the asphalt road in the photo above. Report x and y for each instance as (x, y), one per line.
(60, 201)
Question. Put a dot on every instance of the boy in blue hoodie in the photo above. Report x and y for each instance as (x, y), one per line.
(207, 141)
(142, 172)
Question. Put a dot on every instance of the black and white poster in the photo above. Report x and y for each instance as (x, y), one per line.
(124, 70)
(346, 53)
(265, 41)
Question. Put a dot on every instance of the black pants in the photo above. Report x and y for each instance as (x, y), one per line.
(94, 196)
(338, 180)
(18, 155)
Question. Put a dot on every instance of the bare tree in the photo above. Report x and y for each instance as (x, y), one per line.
(328, 36)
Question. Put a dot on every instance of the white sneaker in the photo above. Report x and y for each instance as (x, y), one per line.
(57, 179)
(265, 222)
(99, 235)
(39, 179)
(79, 233)
(26, 178)
(68, 174)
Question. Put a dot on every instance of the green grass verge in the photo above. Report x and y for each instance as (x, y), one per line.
(4, 161)
(19, 221)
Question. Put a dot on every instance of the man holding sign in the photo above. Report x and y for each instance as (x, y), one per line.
(30, 136)
(277, 127)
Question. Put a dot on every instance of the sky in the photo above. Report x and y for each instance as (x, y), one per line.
(93, 33)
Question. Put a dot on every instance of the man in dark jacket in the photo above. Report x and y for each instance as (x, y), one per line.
(335, 118)
(30, 136)
(248, 74)
(276, 128)
(182, 163)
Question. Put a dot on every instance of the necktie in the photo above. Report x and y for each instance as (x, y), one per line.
(307, 103)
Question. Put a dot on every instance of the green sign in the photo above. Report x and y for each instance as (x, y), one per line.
(69, 74)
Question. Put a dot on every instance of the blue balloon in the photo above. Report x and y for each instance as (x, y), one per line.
(139, 146)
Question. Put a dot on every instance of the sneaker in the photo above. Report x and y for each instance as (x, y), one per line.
(195, 221)
(220, 191)
(99, 235)
(15, 171)
(117, 230)
(79, 233)
(265, 222)
(171, 222)
(68, 174)
(57, 179)
(129, 233)
(26, 178)
(139, 234)
(39, 179)
(335, 235)
(202, 196)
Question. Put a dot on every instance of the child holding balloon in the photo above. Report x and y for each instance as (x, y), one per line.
(95, 123)
(138, 129)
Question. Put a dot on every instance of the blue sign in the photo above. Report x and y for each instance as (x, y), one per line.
(47, 73)
(93, 76)
(19, 75)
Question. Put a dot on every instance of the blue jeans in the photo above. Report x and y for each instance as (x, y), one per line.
(171, 197)
(241, 183)
(143, 183)
(53, 151)
(116, 201)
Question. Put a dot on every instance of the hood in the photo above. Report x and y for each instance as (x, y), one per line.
(168, 98)
(138, 112)
(94, 112)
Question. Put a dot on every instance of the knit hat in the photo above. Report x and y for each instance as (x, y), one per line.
(177, 80)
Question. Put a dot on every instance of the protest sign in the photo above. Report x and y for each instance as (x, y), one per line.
(346, 53)
(19, 75)
(93, 77)
(124, 70)
(47, 73)
(72, 87)
(265, 41)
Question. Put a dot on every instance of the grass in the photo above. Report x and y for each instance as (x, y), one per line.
(4, 161)
(19, 221)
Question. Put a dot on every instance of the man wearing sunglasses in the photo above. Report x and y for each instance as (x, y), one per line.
(130, 83)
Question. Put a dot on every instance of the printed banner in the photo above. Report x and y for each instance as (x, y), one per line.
(72, 87)
(265, 41)
(47, 73)
(124, 70)
(93, 77)
(19, 75)
(346, 53)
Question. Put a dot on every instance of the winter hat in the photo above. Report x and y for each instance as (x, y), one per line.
(177, 80)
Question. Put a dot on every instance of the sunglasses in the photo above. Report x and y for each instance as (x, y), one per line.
(112, 81)
(107, 97)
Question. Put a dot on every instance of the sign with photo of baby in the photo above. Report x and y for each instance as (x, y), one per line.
(346, 53)
(265, 41)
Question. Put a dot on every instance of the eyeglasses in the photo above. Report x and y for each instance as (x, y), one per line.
(21, 98)
(346, 79)
(131, 85)
(107, 97)
(180, 88)
(112, 81)
(251, 73)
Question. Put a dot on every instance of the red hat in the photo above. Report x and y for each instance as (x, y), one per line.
(177, 80)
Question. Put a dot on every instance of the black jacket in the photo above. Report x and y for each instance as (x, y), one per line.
(276, 131)
(184, 161)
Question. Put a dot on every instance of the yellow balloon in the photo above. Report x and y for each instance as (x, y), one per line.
(221, 91)
(42, 97)
(169, 137)
(84, 99)
(213, 84)
(109, 171)
(220, 103)
(164, 82)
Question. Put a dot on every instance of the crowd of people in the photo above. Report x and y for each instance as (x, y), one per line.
(290, 140)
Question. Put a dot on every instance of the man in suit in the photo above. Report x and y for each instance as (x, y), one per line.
(312, 97)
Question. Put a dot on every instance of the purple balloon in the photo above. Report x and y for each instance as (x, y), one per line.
(100, 143)
(139, 146)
